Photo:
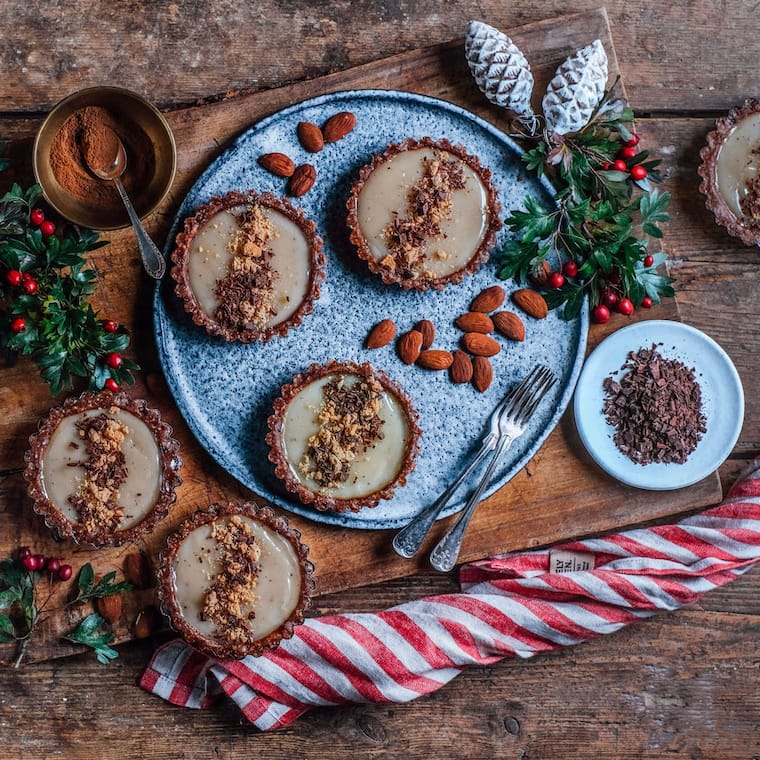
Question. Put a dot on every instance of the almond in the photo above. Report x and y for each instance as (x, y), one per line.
(540, 275)
(509, 325)
(482, 373)
(480, 345)
(338, 126)
(109, 607)
(381, 334)
(310, 136)
(489, 299)
(277, 163)
(461, 368)
(474, 321)
(138, 570)
(409, 346)
(427, 328)
(435, 359)
(302, 180)
(531, 303)
(147, 622)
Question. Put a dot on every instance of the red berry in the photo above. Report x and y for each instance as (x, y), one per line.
(65, 572)
(570, 269)
(41, 559)
(625, 306)
(30, 563)
(627, 152)
(638, 172)
(18, 325)
(648, 260)
(110, 326)
(37, 217)
(13, 277)
(24, 552)
(47, 228)
(646, 302)
(111, 385)
(609, 299)
(53, 564)
(600, 314)
(29, 286)
(620, 165)
(114, 360)
(633, 141)
(556, 280)
(606, 165)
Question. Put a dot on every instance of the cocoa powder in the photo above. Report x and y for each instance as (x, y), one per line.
(88, 134)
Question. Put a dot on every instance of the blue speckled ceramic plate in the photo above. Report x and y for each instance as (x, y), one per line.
(722, 403)
(225, 391)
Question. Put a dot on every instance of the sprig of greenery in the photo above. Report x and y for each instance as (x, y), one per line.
(93, 631)
(87, 589)
(63, 334)
(602, 220)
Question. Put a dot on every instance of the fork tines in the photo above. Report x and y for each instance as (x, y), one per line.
(525, 397)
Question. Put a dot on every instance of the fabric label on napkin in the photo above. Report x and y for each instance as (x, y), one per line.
(568, 562)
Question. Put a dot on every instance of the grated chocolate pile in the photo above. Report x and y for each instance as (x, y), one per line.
(349, 425)
(655, 408)
(96, 501)
(233, 586)
(429, 204)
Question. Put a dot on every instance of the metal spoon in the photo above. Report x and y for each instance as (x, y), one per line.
(152, 258)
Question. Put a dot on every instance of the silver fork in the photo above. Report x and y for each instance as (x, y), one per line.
(407, 541)
(511, 424)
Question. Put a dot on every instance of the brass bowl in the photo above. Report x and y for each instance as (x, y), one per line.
(123, 104)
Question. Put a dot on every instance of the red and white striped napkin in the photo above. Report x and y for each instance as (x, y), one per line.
(516, 605)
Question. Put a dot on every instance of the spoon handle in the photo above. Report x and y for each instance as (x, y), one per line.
(152, 258)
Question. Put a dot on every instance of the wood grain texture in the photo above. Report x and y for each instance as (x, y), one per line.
(680, 685)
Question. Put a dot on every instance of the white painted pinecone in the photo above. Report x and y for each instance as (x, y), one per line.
(499, 68)
(576, 89)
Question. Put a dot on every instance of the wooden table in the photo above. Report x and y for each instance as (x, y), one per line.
(682, 685)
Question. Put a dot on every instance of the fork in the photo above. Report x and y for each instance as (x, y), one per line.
(408, 540)
(511, 422)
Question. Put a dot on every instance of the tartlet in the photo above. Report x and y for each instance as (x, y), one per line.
(423, 214)
(248, 266)
(102, 468)
(343, 436)
(234, 579)
(730, 172)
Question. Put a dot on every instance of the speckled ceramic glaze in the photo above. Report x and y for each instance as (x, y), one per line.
(225, 391)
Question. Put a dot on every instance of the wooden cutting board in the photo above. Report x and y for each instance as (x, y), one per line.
(559, 495)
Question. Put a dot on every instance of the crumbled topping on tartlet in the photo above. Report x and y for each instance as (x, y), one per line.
(350, 423)
(232, 588)
(96, 500)
(750, 203)
(245, 292)
(429, 204)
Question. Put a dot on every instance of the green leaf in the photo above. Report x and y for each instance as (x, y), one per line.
(85, 579)
(93, 632)
(88, 589)
(7, 630)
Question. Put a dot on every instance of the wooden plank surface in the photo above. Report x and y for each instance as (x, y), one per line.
(536, 508)
(681, 685)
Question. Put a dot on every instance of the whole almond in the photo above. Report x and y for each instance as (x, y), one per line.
(302, 180)
(310, 136)
(480, 345)
(489, 299)
(427, 328)
(509, 325)
(278, 163)
(474, 321)
(147, 622)
(138, 570)
(338, 126)
(482, 373)
(381, 334)
(532, 303)
(409, 346)
(435, 359)
(460, 370)
(540, 275)
(109, 607)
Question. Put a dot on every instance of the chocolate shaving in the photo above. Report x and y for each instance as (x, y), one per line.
(655, 408)
(750, 203)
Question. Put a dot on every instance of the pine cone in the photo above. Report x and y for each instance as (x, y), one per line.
(500, 69)
(576, 90)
